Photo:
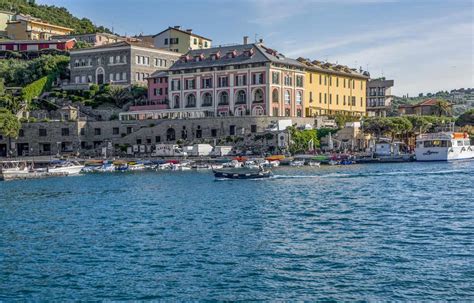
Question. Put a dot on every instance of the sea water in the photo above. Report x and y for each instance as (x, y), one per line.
(358, 232)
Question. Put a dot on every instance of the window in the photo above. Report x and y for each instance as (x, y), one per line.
(97, 131)
(232, 130)
(299, 98)
(111, 60)
(275, 77)
(310, 97)
(195, 41)
(157, 139)
(361, 102)
(64, 132)
(207, 83)
(124, 76)
(166, 41)
(330, 81)
(287, 97)
(241, 97)
(213, 132)
(258, 96)
(325, 80)
(241, 80)
(205, 44)
(117, 76)
(115, 131)
(337, 81)
(353, 101)
(42, 132)
(299, 81)
(320, 98)
(275, 96)
(207, 99)
(344, 102)
(320, 79)
(21, 133)
(176, 101)
(223, 81)
(82, 131)
(337, 99)
(344, 82)
(311, 78)
(191, 100)
(253, 128)
(330, 98)
(111, 77)
(129, 130)
(325, 98)
(83, 79)
(175, 85)
(190, 84)
(257, 78)
(288, 80)
(224, 98)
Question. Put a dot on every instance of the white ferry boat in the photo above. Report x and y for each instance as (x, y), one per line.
(443, 146)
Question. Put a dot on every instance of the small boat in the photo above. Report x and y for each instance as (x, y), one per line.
(333, 162)
(297, 163)
(67, 167)
(314, 163)
(242, 173)
(232, 164)
(250, 164)
(134, 166)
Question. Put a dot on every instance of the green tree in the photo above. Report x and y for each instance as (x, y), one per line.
(300, 140)
(9, 126)
(443, 108)
(467, 118)
(118, 95)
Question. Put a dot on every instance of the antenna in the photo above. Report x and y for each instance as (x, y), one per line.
(256, 38)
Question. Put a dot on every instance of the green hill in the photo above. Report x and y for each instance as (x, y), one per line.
(52, 14)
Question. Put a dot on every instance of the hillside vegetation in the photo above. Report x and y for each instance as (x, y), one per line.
(52, 14)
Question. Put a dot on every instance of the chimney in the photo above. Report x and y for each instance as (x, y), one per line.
(260, 40)
(177, 26)
(190, 30)
(246, 39)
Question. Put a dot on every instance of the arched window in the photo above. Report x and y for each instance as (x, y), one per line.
(299, 113)
(191, 100)
(258, 96)
(239, 111)
(170, 134)
(224, 98)
(176, 101)
(257, 111)
(207, 99)
(275, 96)
(99, 75)
(241, 97)
(287, 112)
(299, 98)
(287, 97)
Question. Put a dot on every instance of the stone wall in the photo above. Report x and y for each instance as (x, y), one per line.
(87, 138)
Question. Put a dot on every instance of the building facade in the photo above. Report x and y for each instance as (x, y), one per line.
(96, 39)
(428, 107)
(332, 89)
(29, 28)
(379, 96)
(5, 17)
(178, 40)
(121, 63)
(36, 45)
(238, 80)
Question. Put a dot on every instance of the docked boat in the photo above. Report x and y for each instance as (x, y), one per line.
(314, 163)
(242, 173)
(69, 168)
(443, 146)
(297, 163)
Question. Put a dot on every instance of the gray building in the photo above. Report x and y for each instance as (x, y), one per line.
(379, 96)
(121, 63)
(88, 138)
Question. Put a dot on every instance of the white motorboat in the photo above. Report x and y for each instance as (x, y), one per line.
(251, 164)
(314, 163)
(443, 146)
(69, 168)
(297, 163)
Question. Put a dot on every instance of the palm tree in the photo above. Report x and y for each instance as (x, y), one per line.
(443, 108)
(9, 126)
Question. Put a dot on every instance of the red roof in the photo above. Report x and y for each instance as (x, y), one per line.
(430, 101)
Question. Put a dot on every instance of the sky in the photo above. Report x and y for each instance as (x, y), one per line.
(424, 45)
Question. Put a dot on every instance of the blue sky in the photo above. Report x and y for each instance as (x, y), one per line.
(424, 45)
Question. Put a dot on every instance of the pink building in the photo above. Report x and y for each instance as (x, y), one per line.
(157, 93)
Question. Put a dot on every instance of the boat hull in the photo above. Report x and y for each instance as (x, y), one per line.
(444, 154)
(222, 174)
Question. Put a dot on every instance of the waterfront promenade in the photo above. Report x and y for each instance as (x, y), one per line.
(344, 233)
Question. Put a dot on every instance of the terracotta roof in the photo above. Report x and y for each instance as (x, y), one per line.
(35, 41)
(180, 30)
(128, 43)
(431, 101)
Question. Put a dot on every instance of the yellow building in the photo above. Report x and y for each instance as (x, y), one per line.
(5, 17)
(34, 29)
(332, 89)
(178, 40)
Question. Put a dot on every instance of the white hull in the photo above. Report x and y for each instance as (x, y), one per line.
(444, 153)
(69, 170)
